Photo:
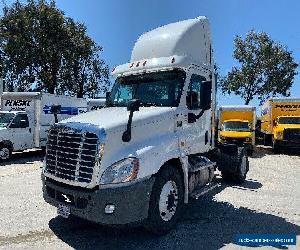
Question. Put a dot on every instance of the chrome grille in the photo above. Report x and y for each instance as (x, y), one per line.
(71, 155)
(291, 134)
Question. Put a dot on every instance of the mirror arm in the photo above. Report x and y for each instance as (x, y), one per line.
(133, 106)
(126, 137)
(193, 118)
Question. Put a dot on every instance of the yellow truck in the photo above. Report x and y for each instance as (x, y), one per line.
(280, 123)
(236, 125)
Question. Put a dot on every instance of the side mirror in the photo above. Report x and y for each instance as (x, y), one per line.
(55, 109)
(205, 99)
(134, 105)
(107, 98)
(274, 123)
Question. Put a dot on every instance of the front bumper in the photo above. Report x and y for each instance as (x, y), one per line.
(131, 201)
(247, 145)
(288, 144)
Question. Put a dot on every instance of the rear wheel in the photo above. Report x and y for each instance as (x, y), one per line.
(166, 202)
(5, 152)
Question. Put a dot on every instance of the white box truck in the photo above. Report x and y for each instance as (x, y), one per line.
(151, 149)
(25, 118)
(96, 104)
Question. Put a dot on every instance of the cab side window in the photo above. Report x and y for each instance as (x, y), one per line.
(20, 121)
(193, 98)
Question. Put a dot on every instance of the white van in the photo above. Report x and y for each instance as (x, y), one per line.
(25, 118)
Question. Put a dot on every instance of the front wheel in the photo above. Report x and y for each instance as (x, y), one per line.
(242, 166)
(5, 153)
(276, 148)
(237, 166)
(166, 202)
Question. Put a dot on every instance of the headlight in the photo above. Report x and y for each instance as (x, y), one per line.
(248, 139)
(101, 150)
(223, 138)
(122, 171)
(279, 135)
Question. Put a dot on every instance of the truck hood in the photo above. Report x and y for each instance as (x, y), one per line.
(281, 127)
(114, 119)
(235, 134)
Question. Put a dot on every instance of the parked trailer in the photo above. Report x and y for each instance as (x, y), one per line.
(25, 118)
(151, 149)
(237, 126)
(280, 123)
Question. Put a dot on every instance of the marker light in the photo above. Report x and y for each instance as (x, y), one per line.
(131, 65)
(138, 64)
(173, 60)
(144, 63)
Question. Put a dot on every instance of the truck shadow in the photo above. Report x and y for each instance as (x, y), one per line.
(206, 224)
(261, 151)
(24, 157)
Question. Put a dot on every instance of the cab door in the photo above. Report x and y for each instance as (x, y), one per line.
(21, 133)
(198, 122)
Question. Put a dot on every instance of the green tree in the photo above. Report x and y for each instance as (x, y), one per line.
(39, 44)
(266, 68)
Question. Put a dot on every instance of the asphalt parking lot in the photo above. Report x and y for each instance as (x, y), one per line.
(268, 202)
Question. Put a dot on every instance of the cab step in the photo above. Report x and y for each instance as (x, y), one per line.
(203, 190)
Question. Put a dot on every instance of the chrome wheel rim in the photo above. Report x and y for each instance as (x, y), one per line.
(4, 153)
(168, 200)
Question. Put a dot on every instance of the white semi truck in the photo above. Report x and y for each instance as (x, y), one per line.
(151, 149)
(25, 118)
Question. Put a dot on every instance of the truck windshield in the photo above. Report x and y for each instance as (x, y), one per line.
(236, 126)
(289, 120)
(5, 119)
(152, 89)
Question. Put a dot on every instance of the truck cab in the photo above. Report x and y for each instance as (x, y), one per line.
(237, 126)
(286, 131)
(151, 148)
(280, 123)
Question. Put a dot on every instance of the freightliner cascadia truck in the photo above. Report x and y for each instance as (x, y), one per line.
(25, 118)
(280, 123)
(151, 149)
(236, 125)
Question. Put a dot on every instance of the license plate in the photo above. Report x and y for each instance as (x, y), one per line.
(63, 211)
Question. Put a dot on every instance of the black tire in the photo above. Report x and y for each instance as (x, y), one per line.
(237, 166)
(227, 177)
(155, 222)
(250, 152)
(7, 152)
(241, 173)
(276, 148)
